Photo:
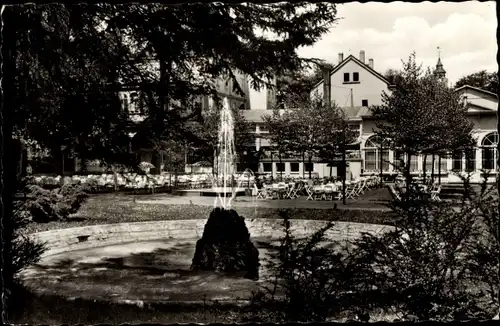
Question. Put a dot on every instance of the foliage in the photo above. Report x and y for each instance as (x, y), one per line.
(487, 81)
(394, 76)
(299, 83)
(100, 47)
(281, 136)
(310, 280)
(422, 266)
(483, 258)
(64, 63)
(202, 135)
(42, 205)
(310, 127)
(422, 115)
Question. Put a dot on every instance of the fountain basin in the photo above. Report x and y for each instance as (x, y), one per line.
(212, 192)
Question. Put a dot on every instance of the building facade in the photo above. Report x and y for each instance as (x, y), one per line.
(354, 85)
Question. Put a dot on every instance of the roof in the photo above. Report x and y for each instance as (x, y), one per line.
(363, 65)
(480, 90)
(439, 67)
(357, 111)
(255, 115)
(351, 112)
(477, 109)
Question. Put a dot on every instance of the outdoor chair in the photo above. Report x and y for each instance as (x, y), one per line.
(318, 194)
(269, 192)
(360, 187)
(350, 191)
(290, 193)
(435, 193)
(328, 192)
(395, 195)
(366, 185)
(297, 189)
(310, 192)
(260, 193)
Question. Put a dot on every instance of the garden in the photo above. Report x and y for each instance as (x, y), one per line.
(369, 277)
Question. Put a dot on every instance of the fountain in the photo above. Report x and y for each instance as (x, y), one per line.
(225, 186)
(225, 245)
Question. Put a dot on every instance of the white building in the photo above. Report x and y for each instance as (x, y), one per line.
(354, 85)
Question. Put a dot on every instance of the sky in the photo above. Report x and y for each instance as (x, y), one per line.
(390, 32)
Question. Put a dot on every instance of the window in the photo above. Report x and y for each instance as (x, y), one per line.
(280, 167)
(373, 154)
(470, 160)
(309, 167)
(268, 167)
(414, 163)
(355, 77)
(364, 102)
(399, 160)
(489, 151)
(134, 103)
(428, 164)
(346, 77)
(444, 164)
(456, 161)
(294, 167)
(370, 159)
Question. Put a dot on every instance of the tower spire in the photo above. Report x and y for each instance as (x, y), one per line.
(440, 73)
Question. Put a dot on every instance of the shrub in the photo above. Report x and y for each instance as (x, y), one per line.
(483, 256)
(421, 266)
(42, 205)
(310, 281)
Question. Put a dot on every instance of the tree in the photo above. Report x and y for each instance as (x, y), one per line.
(422, 115)
(317, 74)
(299, 83)
(61, 61)
(202, 134)
(309, 127)
(393, 76)
(280, 134)
(481, 79)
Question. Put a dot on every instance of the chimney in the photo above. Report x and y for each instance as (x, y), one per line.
(370, 63)
(362, 56)
(341, 57)
(326, 86)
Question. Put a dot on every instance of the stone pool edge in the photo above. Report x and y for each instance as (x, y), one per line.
(94, 236)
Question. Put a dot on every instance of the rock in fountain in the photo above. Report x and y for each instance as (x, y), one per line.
(225, 245)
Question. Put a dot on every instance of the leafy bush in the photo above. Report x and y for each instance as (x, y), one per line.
(421, 267)
(310, 280)
(42, 205)
(483, 256)
(24, 250)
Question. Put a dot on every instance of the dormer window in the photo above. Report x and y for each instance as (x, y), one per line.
(346, 77)
(364, 102)
(355, 76)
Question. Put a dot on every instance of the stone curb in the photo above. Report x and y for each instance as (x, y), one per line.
(85, 237)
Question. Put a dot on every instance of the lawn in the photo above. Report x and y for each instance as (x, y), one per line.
(117, 208)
